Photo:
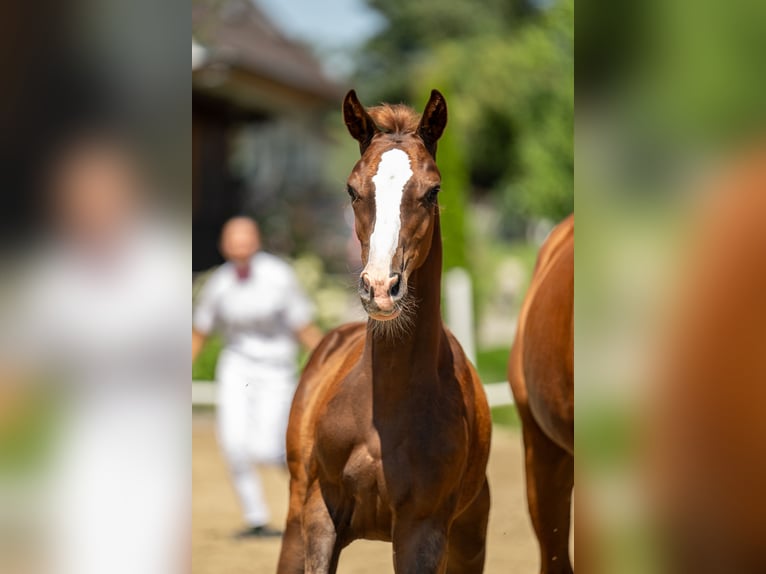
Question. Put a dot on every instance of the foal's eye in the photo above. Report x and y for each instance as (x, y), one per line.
(352, 193)
(432, 194)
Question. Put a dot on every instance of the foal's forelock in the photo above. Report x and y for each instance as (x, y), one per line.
(394, 171)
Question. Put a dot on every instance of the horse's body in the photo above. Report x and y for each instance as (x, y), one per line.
(707, 442)
(541, 373)
(389, 432)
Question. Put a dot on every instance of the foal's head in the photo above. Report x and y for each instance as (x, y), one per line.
(394, 192)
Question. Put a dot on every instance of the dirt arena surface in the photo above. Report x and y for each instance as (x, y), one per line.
(511, 546)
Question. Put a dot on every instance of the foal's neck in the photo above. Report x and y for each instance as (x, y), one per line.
(415, 352)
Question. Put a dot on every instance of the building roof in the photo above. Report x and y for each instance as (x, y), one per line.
(250, 63)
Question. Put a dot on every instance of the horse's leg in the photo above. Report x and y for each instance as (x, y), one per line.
(320, 535)
(292, 558)
(550, 478)
(468, 537)
(420, 546)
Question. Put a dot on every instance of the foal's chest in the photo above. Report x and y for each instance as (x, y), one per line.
(361, 493)
(352, 461)
(374, 461)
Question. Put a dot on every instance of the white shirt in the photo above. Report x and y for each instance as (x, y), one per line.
(258, 316)
(107, 325)
(108, 321)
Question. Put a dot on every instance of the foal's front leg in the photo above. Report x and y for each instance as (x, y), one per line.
(320, 535)
(420, 546)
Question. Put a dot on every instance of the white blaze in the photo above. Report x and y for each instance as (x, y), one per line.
(390, 180)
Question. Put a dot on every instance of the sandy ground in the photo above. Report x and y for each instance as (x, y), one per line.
(511, 546)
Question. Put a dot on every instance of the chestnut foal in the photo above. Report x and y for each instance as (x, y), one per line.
(389, 432)
(541, 373)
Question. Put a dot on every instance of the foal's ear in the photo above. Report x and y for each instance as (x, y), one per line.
(358, 121)
(433, 121)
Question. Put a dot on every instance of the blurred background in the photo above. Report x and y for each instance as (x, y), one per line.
(268, 78)
(95, 429)
(671, 103)
(670, 183)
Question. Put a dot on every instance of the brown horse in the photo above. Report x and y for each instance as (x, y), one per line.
(389, 432)
(541, 373)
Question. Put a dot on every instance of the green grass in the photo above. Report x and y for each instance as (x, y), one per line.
(28, 434)
(203, 368)
(607, 435)
(492, 365)
(506, 416)
(493, 368)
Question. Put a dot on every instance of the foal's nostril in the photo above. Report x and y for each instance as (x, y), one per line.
(365, 288)
(395, 287)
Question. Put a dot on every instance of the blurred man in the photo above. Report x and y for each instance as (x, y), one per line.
(256, 304)
(98, 314)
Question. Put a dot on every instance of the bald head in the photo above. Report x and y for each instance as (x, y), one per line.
(95, 186)
(240, 240)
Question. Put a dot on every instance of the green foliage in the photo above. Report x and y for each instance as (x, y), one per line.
(453, 200)
(506, 69)
(416, 27)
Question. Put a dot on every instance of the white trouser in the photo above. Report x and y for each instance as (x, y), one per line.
(253, 407)
(120, 489)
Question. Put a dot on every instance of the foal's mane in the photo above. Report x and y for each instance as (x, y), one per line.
(395, 118)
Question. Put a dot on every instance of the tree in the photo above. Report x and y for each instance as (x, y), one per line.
(507, 71)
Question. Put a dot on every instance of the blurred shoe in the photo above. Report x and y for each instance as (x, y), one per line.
(258, 532)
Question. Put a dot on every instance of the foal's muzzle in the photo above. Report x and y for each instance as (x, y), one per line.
(381, 294)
